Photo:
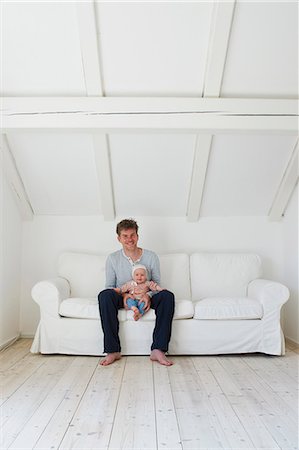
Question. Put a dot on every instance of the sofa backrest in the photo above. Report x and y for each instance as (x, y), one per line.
(212, 274)
(85, 273)
(175, 274)
(222, 274)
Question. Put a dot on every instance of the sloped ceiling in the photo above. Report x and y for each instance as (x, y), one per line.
(230, 50)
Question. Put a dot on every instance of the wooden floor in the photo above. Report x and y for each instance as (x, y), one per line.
(204, 402)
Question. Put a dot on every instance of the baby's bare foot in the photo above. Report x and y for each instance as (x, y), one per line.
(136, 315)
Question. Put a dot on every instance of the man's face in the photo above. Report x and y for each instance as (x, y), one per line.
(128, 239)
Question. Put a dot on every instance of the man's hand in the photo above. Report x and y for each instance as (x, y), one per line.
(118, 290)
(147, 302)
(152, 285)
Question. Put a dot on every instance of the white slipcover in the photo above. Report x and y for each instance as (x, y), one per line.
(223, 274)
(222, 306)
(88, 308)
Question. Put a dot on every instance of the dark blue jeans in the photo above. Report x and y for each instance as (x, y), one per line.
(109, 304)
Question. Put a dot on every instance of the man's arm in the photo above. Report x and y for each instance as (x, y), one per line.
(155, 273)
(110, 274)
(155, 269)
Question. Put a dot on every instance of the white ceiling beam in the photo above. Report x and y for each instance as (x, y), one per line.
(146, 105)
(286, 187)
(103, 114)
(14, 180)
(200, 164)
(89, 48)
(223, 14)
(222, 19)
(103, 166)
(94, 87)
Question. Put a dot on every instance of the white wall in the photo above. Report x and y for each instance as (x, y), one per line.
(290, 241)
(10, 269)
(47, 236)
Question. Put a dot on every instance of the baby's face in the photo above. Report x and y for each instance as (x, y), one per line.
(139, 276)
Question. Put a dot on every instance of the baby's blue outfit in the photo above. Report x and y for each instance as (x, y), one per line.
(132, 302)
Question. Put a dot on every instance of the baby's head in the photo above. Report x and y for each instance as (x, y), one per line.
(139, 273)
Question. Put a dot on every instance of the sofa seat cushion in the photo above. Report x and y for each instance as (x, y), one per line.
(87, 308)
(184, 309)
(228, 308)
(80, 308)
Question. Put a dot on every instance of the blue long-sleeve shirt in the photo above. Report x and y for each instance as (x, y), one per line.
(119, 268)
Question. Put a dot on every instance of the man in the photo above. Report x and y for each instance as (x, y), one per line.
(118, 271)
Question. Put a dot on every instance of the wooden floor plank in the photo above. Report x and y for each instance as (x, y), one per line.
(211, 402)
(13, 378)
(288, 363)
(264, 388)
(238, 399)
(168, 435)
(272, 411)
(14, 353)
(134, 423)
(19, 408)
(279, 379)
(66, 393)
(280, 382)
(91, 425)
(235, 432)
(291, 345)
(198, 423)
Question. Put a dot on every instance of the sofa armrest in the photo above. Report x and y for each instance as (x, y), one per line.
(271, 294)
(48, 294)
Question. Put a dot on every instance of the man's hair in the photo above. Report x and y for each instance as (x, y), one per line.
(126, 224)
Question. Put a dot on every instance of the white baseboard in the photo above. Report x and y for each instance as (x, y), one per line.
(9, 342)
(26, 336)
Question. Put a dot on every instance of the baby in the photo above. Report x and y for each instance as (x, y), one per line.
(137, 287)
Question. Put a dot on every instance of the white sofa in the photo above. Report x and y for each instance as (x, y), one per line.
(222, 306)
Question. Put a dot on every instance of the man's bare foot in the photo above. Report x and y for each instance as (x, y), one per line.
(110, 358)
(158, 355)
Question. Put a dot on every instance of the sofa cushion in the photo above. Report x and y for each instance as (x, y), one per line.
(175, 274)
(222, 274)
(227, 308)
(85, 273)
(184, 309)
(87, 308)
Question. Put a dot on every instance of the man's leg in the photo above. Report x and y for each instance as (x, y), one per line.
(163, 304)
(109, 304)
